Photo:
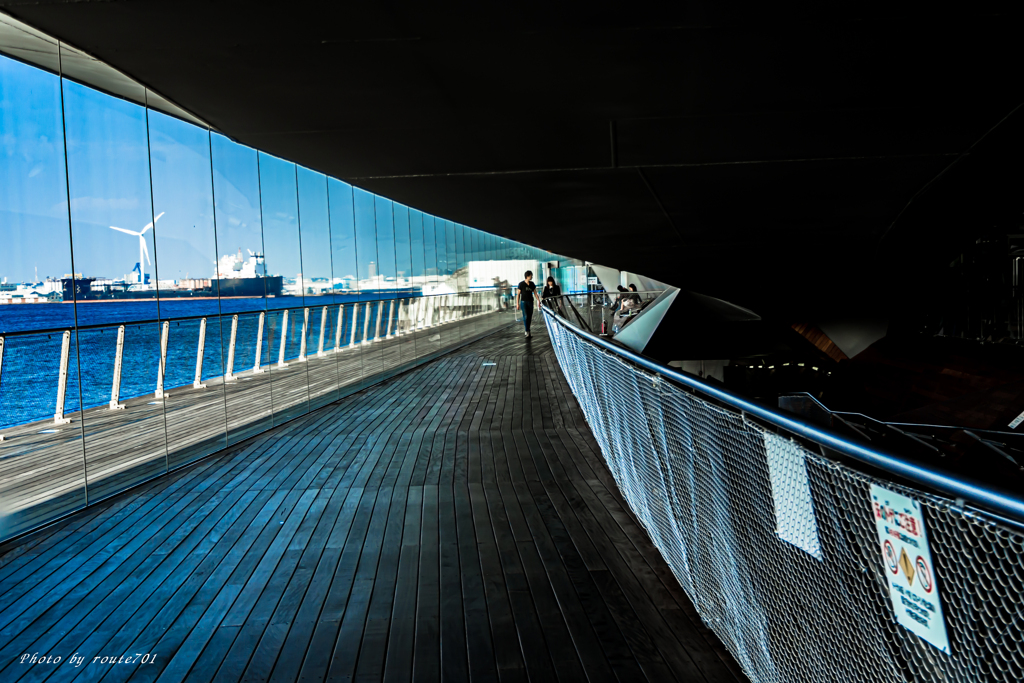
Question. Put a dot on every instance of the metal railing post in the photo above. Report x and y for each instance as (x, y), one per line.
(284, 340)
(256, 369)
(115, 389)
(337, 334)
(355, 319)
(164, 331)
(198, 382)
(380, 311)
(229, 371)
(62, 380)
(391, 319)
(302, 341)
(323, 328)
(366, 322)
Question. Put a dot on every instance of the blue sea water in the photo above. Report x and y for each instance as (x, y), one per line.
(31, 362)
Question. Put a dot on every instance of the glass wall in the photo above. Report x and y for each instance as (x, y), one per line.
(166, 292)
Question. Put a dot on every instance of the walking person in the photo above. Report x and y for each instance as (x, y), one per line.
(525, 298)
(552, 291)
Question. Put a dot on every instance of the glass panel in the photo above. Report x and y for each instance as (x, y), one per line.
(183, 196)
(315, 229)
(286, 327)
(430, 253)
(389, 354)
(35, 253)
(407, 279)
(36, 241)
(369, 279)
(346, 281)
(111, 208)
(114, 240)
(242, 284)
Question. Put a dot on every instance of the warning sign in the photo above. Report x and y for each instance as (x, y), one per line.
(905, 555)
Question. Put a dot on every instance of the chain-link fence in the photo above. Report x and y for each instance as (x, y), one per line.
(777, 545)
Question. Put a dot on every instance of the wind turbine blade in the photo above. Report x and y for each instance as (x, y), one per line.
(145, 249)
(150, 225)
(127, 232)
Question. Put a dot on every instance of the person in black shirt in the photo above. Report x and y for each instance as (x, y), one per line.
(525, 297)
(551, 289)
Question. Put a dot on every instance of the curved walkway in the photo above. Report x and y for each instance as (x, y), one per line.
(455, 522)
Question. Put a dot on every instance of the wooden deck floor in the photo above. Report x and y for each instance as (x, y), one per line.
(455, 523)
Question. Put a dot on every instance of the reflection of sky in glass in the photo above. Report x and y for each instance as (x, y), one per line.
(108, 179)
(429, 247)
(416, 242)
(315, 230)
(182, 192)
(385, 240)
(403, 259)
(236, 187)
(33, 189)
(366, 240)
(280, 221)
(343, 239)
(441, 247)
(452, 246)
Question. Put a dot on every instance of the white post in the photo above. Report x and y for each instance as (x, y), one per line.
(163, 360)
(323, 328)
(380, 312)
(391, 319)
(62, 379)
(198, 383)
(284, 340)
(302, 341)
(229, 371)
(355, 319)
(256, 369)
(337, 333)
(428, 316)
(366, 323)
(115, 390)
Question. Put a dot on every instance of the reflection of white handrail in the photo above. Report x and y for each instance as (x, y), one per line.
(366, 323)
(284, 340)
(302, 340)
(115, 389)
(198, 383)
(323, 328)
(62, 379)
(355, 318)
(229, 371)
(163, 360)
(337, 333)
(256, 369)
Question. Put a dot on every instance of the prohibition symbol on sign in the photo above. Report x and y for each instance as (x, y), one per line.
(925, 574)
(890, 557)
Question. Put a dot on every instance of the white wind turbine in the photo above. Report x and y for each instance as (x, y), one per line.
(143, 250)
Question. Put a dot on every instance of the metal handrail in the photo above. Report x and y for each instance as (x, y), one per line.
(150, 321)
(1003, 501)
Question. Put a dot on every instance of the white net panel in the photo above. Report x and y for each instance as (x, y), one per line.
(796, 590)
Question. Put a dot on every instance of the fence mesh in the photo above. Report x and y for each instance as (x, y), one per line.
(795, 593)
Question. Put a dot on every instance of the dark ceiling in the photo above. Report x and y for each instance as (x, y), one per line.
(762, 156)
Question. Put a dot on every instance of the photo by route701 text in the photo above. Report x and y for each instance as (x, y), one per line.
(77, 660)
